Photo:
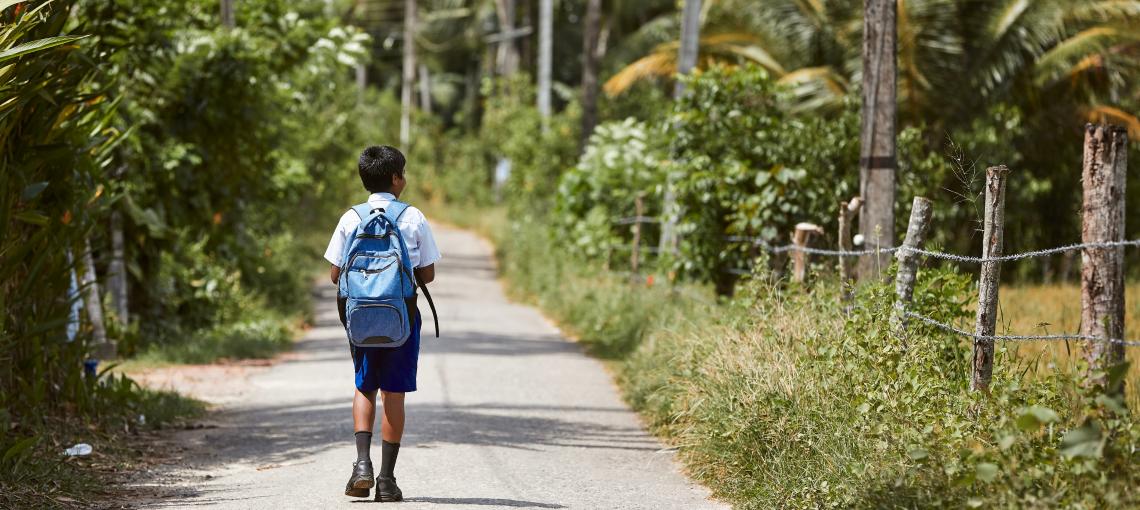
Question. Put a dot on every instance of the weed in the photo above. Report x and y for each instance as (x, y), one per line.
(781, 399)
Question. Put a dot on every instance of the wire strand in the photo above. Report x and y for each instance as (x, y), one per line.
(1016, 338)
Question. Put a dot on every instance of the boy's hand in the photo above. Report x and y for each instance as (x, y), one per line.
(334, 274)
(426, 274)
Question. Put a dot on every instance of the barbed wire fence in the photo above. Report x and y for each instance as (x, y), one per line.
(1102, 249)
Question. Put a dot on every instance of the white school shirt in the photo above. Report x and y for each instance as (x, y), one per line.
(413, 226)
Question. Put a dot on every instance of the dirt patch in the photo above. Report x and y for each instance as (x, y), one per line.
(217, 384)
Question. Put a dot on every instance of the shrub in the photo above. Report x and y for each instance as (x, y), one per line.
(512, 128)
(745, 167)
(623, 161)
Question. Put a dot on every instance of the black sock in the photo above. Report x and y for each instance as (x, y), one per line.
(363, 443)
(388, 454)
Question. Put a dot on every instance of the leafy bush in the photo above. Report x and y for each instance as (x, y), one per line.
(205, 142)
(745, 167)
(512, 128)
(623, 161)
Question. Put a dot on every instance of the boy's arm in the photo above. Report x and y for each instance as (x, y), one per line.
(429, 253)
(336, 246)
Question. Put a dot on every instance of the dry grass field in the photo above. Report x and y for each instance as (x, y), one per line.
(1056, 308)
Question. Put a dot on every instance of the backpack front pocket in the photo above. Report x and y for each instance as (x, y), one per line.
(377, 323)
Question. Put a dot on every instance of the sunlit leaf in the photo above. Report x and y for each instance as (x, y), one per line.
(37, 45)
(1083, 442)
(986, 471)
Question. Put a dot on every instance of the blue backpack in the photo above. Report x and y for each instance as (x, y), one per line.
(377, 281)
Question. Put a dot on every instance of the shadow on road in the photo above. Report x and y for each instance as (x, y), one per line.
(510, 503)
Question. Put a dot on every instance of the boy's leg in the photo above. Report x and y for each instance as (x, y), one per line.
(392, 426)
(363, 419)
(364, 411)
(391, 430)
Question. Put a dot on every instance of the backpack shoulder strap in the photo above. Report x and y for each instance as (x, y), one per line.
(362, 210)
(394, 210)
(393, 213)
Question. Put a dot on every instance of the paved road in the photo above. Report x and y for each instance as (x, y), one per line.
(509, 415)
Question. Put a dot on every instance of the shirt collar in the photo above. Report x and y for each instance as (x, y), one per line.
(382, 196)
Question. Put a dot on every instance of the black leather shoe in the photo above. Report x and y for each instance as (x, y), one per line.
(360, 481)
(387, 491)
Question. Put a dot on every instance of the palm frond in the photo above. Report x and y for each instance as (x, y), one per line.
(720, 48)
(1109, 114)
(658, 64)
(815, 88)
(1076, 54)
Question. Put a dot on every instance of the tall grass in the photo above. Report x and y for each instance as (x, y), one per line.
(1056, 308)
(781, 399)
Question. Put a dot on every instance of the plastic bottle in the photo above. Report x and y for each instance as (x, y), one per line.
(78, 450)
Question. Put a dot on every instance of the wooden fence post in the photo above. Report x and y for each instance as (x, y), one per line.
(1102, 269)
(983, 363)
(800, 259)
(920, 212)
(847, 211)
(635, 253)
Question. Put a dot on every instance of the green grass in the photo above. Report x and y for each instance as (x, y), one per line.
(255, 337)
(779, 399)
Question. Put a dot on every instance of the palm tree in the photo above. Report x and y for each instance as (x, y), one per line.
(954, 55)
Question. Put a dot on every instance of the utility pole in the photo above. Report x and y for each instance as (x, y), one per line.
(228, 14)
(590, 31)
(686, 61)
(877, 160)
(409, 78)
(545, 58)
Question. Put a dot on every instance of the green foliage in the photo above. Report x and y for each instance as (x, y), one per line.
(745, 167)
(624, 160)
(206, 142)
(512, 128)
(231, 128)
(604, 311)
(255, 335)
(780, 399)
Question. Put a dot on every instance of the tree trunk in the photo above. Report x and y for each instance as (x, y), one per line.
(686, 61)
(1102, 269)
(507, 55)
(545, 58)
(690, 42)
(425, 89)
(590, 69)
(877, 139)
(409, 77)
(228, 14)
(473, 79)
(116, 271)
(94, 305)
(361, 82)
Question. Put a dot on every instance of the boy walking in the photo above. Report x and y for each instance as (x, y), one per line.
(391, 371)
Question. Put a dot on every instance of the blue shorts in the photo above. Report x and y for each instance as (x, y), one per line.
(391, 370)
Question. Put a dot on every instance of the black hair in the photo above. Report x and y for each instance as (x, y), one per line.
(378, 165)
